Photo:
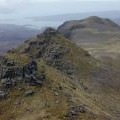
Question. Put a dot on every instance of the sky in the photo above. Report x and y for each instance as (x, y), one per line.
(15, 11)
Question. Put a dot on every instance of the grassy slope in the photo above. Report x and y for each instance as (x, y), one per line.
(100, 104)
(74, 56)
(107, 52)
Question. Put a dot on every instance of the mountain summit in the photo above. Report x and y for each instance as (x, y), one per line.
(97, 20)
(90, 30)
(90, 22)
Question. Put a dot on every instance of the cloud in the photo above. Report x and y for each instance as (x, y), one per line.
(6, 11)
(19, 2)
(12, 6)
(7, 3)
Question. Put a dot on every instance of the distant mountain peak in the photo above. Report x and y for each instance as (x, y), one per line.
(92, 22)
(93, 19)
(97, 20)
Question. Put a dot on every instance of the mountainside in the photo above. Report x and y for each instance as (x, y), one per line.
(100, 37)
(69, 84)
(92, 29)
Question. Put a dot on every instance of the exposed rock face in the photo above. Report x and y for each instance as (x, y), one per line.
(12, 74)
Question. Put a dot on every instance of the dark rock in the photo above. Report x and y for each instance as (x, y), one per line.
(27, 49)
(81, 109)
(60, 88)
(9, 73)
(29, 93)
(33, 78)
(70, 71)
(31, 67)
(50, 31)
(86, 54)
(6, 83)
(74, 111)
(38, 83)
(10, 63)
(35, 82)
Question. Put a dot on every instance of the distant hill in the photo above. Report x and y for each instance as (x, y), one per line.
(12, 35)
(114, 15)
(91, 29)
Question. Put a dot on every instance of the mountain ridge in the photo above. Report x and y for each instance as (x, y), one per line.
(68, 91)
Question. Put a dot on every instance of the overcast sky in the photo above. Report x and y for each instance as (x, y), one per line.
(19, 9)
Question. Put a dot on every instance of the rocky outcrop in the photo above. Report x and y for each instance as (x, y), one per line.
(12, 74)
(74, 111)
(51, 48)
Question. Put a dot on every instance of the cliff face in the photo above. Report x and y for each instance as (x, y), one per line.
(75, 85)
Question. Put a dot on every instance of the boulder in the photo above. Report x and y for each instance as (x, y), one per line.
(29, 93)
(74, 111)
